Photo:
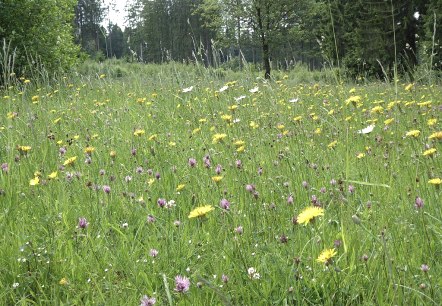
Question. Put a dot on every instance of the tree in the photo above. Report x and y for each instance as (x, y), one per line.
(41, 30)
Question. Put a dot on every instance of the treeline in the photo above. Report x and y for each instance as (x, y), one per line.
(365, 38)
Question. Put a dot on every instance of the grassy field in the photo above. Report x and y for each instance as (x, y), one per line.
(307, 192)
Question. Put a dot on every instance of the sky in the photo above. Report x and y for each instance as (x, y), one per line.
(117, 12)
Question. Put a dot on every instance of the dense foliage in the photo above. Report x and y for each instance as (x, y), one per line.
(40, 34)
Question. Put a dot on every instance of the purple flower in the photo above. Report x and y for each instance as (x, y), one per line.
(182, 284)
(207, 162)
(102, 172)
(133, 152)
(290, 199)
(323, 190)
(260, 171)
(82, 222)
(305, 184)
(351, 188)
(157, 175)
(153, 253)
(314, 200)
(147, 301)
(128, 178)
(177, 223)
(418, 203)
(62, 150)
(239, 230)
(106, 189)
(224, 204)
(150, 219)
(250, 187)
(161, 202)
(224, 278)
(192, 162)
(218, 169)
(425, 268)
(139, 170)
(5, 167)
(238, 164)
(337, 243)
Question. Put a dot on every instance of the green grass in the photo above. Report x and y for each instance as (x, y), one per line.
(45, 259)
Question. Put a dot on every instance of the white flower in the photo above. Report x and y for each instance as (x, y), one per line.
(188, 89)
(294, 100)
(225, 87)
(256, 276)
(251, 271)
(367, 130)
(254, 89)
(240, 98)
(15, 285)
(416, 15)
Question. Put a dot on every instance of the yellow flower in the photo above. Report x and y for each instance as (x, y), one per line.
(280, 126)
(150, 181)
(298, 118)
(200, 211)
(11, 115)
(429, 152)
(70, 161)
(180, 187)
(241, 149)
(27, 81)
(355, 100)
(326, 256)
(413, 133)
(57, 120)
(102, 76)
(332, 144)
(377, 109)
(218, 138)
(253, 125)
(388, 121)
(239, 143)
(112, 154)
(53, 175)
(139, 132)
(34, 182)
(309, 214)
(360, 155)
(217, 178)
(153, 137)
(63, 281)
(435, 181)
(436, 135)
(35, 99)
(227, 118)
(89, 150)
(409, 87)
(233, 107)
(24, 149)
(432, 121)
(196, 131)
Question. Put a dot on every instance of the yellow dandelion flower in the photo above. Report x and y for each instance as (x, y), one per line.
(112, 154)
(353, 90)
(153, 137)
(218, 138)
(53, 175)
(180, 187)
(389, 121)
(201, 211)
(297, 118)
(227, 118)
(377, 109)
(24, 149)
(280, 126)
(318, 131)
(241, 149)
(34, 182)
(139, 132)
(172, 143)
(435, 181)
(309, 214)
(429, 152)
(233, 107)
(326, 256)
(217, 178)
(63, 281)
(89, 150)
(102, 76)
(409, 87)
(253, 125)
(355, 100)
(360, 155)
(35, 99)
(413, 133)
(196, 131)
(11, 115)
(70, 161)
(431, 121)
(331, 112)
(202, 120)
(239, 143)
(332, 144)
(436, 135)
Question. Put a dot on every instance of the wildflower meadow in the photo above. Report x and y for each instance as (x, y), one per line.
(172, 185)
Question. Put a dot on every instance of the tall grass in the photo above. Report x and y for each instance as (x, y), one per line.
(135, 131)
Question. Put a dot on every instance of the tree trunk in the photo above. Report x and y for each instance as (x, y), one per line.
(264, 44)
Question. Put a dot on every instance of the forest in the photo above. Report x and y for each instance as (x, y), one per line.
(361, 38)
